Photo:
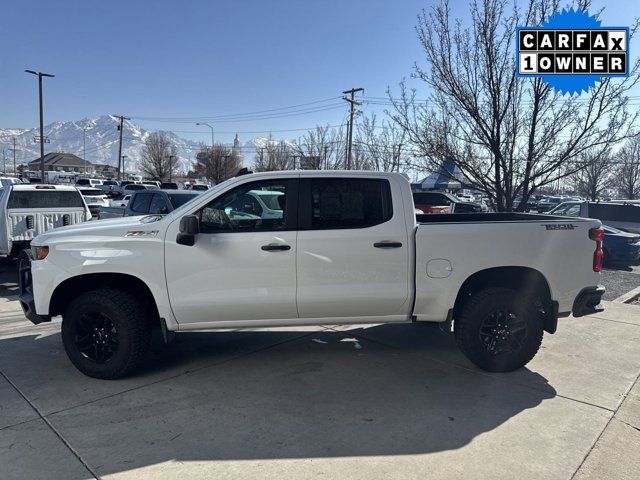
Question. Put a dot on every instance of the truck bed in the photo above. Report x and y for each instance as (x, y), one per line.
(488, 217)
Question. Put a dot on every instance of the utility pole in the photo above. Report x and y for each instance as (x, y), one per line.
(14, 155)
(326, 149)
(171, 157)
(352, 104)
(84, 148)
(40, 75)
(120, 156)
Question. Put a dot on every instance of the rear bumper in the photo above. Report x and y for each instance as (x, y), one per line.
(26, 295)
(588, 301)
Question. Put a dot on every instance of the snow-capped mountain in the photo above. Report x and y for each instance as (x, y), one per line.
(101, 142)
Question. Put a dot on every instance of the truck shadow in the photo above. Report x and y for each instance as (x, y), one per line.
(380, 390)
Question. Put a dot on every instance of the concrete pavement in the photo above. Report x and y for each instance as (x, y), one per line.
(389, 401)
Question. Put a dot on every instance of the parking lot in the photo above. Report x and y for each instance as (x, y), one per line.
(393, 401)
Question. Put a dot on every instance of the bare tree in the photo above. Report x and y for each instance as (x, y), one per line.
(628, 170)
(275, 155)
(217, 163)
(595, 176)
(381, 144)
(158, 157)
(325, 146)
(508, 135)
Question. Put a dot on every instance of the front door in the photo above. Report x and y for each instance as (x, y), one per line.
(243, 264)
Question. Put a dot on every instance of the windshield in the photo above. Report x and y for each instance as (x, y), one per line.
(177, 200)
(45, 199)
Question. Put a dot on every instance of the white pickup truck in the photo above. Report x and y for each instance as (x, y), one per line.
(347, 249)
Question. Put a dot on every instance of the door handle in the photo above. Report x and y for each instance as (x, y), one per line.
(387, 244)
(275, 247)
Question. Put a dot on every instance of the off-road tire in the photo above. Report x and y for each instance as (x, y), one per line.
(130, 322)
(479, 307)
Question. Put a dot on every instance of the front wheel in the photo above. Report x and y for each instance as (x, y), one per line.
(499, 330)
(106, 333)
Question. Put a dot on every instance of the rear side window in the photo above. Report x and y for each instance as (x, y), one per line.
(45, 199)
(82, 181)
(349, 203)
(141, 203)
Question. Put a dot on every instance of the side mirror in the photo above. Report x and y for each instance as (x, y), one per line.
(189, 228)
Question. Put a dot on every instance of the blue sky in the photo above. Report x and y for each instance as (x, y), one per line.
(208, 58)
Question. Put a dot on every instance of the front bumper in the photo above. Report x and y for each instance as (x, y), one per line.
(588, 301)
(26, 294)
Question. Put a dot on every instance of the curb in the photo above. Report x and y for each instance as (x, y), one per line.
(628, 296)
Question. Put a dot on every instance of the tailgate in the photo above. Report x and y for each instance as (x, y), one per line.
(25, 224)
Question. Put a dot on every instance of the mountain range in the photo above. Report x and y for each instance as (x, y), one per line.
(98, 137)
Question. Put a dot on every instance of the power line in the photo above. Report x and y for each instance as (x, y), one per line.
(216, 117)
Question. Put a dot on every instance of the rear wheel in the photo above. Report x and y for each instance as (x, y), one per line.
(106, 333)
(499, 330)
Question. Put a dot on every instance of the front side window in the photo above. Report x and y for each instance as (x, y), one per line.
(349, 203)
(141, 203)
(240, 211)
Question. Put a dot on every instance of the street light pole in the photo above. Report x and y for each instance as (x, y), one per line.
(207, 125)
(40, 75)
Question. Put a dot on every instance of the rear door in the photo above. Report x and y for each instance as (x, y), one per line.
(353, 248)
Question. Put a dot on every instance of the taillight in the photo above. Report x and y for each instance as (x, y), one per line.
(596, 234)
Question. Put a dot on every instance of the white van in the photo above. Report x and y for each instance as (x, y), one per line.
(29, 210)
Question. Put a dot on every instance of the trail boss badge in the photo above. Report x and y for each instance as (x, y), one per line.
(572, 51)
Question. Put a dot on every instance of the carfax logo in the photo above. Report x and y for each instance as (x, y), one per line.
(572, 51)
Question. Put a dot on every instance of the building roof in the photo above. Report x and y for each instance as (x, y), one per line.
(61, 160)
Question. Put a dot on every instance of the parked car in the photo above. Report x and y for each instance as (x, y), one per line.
(95, 199)
(120, 202)
(88, 182)
(620, 246)
(8, 181)
(346, 250)
(547, 203)
(153, 183)
(111, 188)
(145, 202)
(442, 202)
(134, 187)
(28, 210)
(170, 186)
(625, 216)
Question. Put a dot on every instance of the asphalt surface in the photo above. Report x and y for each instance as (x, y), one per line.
(353, 402)
(620, 279)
